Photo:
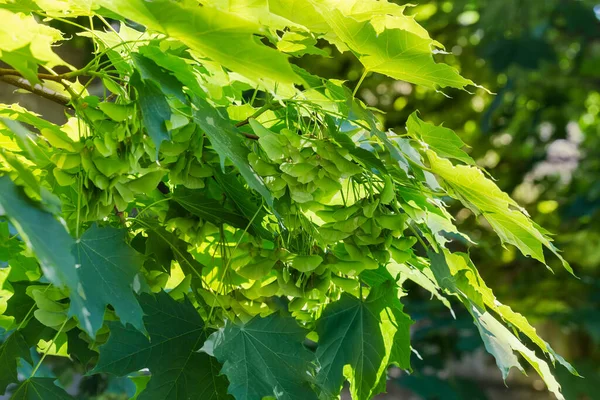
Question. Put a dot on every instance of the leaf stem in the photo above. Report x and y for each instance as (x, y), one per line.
(418, 237)
(48, 348)
(30, 310)
(360, 81)
(259, 112)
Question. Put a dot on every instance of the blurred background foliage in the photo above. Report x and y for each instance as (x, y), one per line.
(538, 134)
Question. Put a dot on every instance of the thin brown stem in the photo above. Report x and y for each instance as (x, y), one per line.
(37, 89)
(250, 136)
(49, 77)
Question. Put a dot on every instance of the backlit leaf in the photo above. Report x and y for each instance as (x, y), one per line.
(48, 238)
(30, 47)
(219, 35)
(397, 53)
(442, 140)
(482, 196)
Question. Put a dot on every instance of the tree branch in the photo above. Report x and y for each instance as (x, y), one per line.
(50, 77)
(37, 89)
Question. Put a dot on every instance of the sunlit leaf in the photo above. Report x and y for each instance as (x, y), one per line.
(219, 35)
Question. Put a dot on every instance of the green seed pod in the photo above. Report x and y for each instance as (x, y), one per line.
(297, 304)
(257, 270)
(387, 194)
(200, 171)
(261, 167)
(392, 222)
(321, 282)
(269, 290)
(275, 183)
(346, 284)
(63, 178)
(399, 256)
(404, 243)
(66, 160)
(381, 256)
(146, 183)
(287, 287)
(369, 208)
(344, 213)
(349, 225)
(306, 263)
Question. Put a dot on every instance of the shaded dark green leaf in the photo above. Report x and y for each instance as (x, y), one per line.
(265, 357)
(178, 370)
(40, 389)
(197, 203)
(155, 110)
(13, 348)
(227, 142)
(107, 270)
(368, 336)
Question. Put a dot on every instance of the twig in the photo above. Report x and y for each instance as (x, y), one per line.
(37, 89)
(48, 77)
(51, 77)
(250, 136)
(258, 112)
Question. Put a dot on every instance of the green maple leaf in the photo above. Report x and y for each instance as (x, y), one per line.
(25, 43)
(107, 270)
(502, 344)
(455, 274)
(367, 336)
(242, 198)
(40, 389)
(48, 238)
(197, 203)
(32, 144)
(226, 140)
(222, 36)
(166, 246)
(483, 196)
(442, 140)
(13, 348)
(155, 109)
(150, 71)
(176, 333)
(98, 269)
(397, 53)
(265, 357)
(176, 65)
(18, 305)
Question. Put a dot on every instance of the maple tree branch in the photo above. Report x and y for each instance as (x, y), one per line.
(51, 77)
(48, 77)
(37, 89)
